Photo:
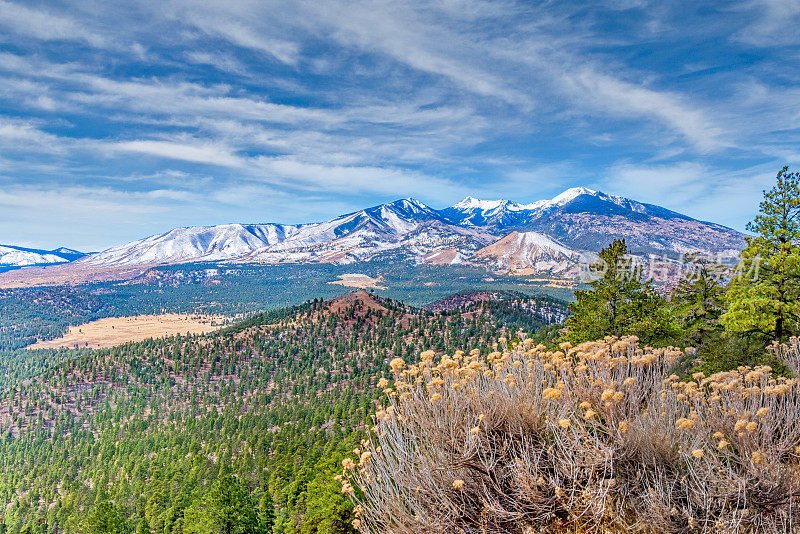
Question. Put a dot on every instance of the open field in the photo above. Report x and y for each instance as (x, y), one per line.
(359, 281)
(554, 282)
(113, 331)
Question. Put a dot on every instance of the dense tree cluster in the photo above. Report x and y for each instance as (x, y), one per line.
(28, 314)
(619, 302)
(43, 313)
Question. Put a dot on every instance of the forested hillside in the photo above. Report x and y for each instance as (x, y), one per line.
(42, 313)
(137, 435)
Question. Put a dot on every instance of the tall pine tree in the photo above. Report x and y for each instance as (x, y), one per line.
(620, 302)
(764, 297)
(699, 300)
(106, 518)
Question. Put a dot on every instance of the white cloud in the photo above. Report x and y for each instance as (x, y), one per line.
(670, 185)
(357, 179)
(79, 217)
(194, 153)
(240, 34)
(283, 100)
(24, 136)
(617, 97)
(415, 37)
(223, 62)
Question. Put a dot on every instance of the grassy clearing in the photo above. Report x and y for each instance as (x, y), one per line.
(113, 331)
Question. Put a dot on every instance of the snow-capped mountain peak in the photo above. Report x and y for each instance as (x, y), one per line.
(572, 194)
(563, 198)
(475, 212)
(577, 220)
(408, 205)
(471, 203)
(68, 251)
(209, 243)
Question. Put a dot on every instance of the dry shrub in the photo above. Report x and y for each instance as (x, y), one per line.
(593, 438)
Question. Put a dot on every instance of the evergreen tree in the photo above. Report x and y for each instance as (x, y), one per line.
(699, 300)
(106, 518)
(620, 302)
(764, 296)
(226, 509)
(194, 409)
(331, 512)
(266, 510)
(143, 527)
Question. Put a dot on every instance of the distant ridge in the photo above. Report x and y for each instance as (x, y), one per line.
(12, 256)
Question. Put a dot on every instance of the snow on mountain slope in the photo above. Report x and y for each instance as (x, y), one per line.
(559, 200)
(505, 213)
(199, 243)
(542, 234)
(585, 219)
(570, 195)
(528, 250)
(386, 222)
(591, 222)
(493, 213)
(68, 253)
(344, 237)
(13, 256)
(412, 232)
(476, 212)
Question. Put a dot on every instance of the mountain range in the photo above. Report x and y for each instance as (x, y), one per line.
(12, 256)
(545, 236)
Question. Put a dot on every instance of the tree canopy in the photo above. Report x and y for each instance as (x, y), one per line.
(227, 509)
(764, 296)
(619, 302)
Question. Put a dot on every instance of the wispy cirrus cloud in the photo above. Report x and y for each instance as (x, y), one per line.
(774, 22)
(47, 25)
(305, 106)
(211, 154)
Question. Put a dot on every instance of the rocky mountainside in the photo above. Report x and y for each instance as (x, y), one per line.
(587, 220)
(406, 226)
(545, 236)
(528, 250)
(591, 220)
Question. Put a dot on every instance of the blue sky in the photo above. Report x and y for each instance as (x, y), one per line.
(122, 119)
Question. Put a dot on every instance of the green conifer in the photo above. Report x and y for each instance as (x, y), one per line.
(699, 300)
(764, 296)
(226, 509)
(620, 302)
